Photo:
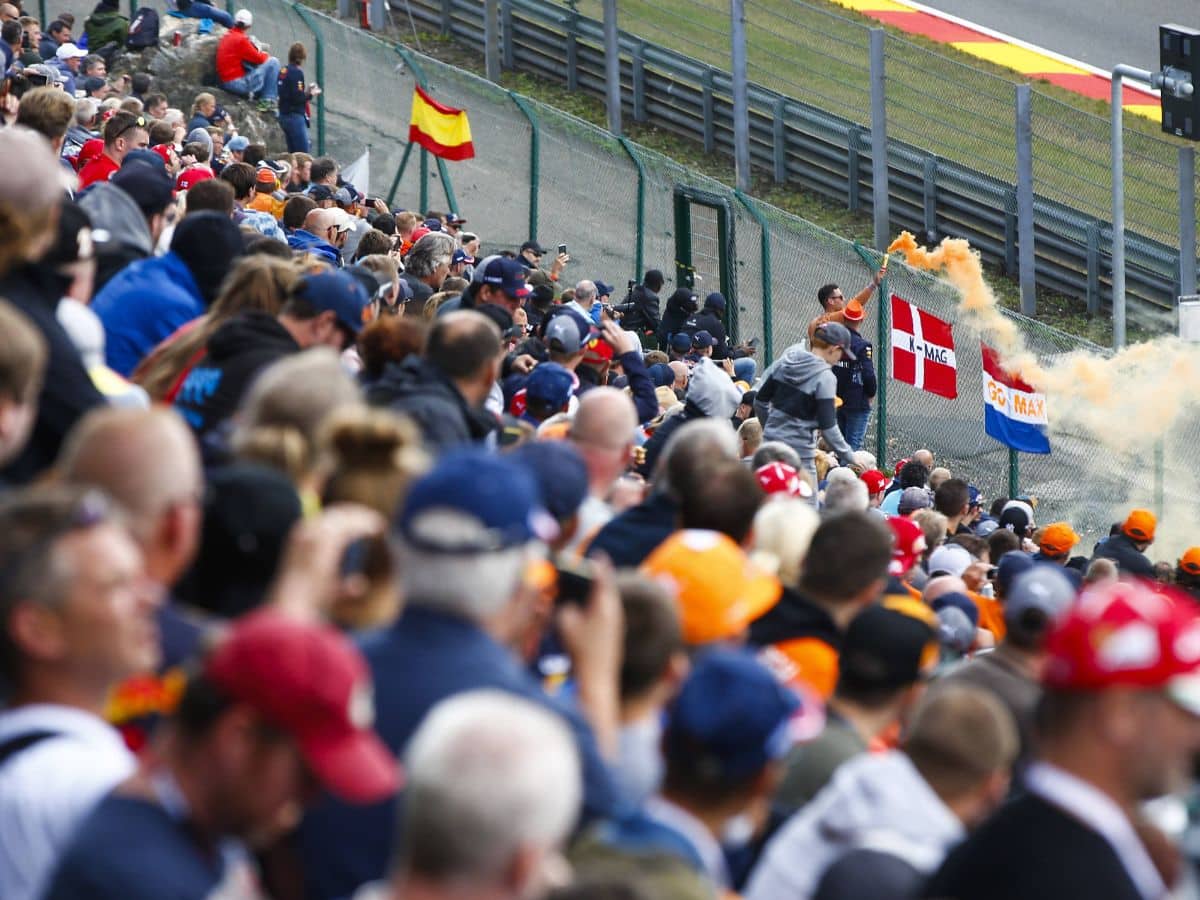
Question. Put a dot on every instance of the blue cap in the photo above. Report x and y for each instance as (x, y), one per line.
(559, 471)
(508, 275)
(661, 375)
(319, 193)
(1011, 564)
(551, 384)
(716, 300)
(702, 339)
(603, 290)
(568, 330)
(148, 184)
(335, 292)
(461, 256)
(959, 601)
(238, 144)
(731, 717)
(142, 154)
(681, 342)
(974, 496)
(492, 502)
(433, 224)
(745, 369)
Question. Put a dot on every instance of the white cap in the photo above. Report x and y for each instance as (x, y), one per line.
(951, 558)
(243, 17)
(69, 51)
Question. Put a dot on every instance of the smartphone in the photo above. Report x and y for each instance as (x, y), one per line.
(562, 248)
(575, 579)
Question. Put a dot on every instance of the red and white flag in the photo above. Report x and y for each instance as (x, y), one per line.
(923, 350)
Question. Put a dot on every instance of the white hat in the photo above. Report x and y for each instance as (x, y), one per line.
(69, 51)
(951, 558)
(243, 17)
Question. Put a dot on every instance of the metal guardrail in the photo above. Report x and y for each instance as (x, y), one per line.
(821, 151)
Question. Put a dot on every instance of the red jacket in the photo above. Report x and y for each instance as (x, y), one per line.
(233, 50)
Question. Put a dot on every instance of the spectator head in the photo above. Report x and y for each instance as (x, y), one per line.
(49, 112)
(501, 281)
(963, 741)
(30, 197)
(603, 431)
(237, 147)
(876, 483)
(493, 790)
(775, 451)
(93, 66)
(913, 499)
(151, 189)
(689, 451)
(297, 54)
(209, 245)
(241, 177)
(831, 298)
(908, 546)
(254, 154)
(124, 132)
(1100, 573)
(465, 346)
(847, 563)
(324, 170)
(148, 462)
(1000, 542)
(653, 662)
(296, 210)
(1057, 540)
(585, 293)
(783, 531)
(1034, 601)
(390, 339)
(718, 589)
(937, 476)
(914, 474)
(1008, 567)
(888, 653)
(951, 497)
(846, 496)
(653, 280)
(373, 243)
(429, 259)
(22, 368)
(77, 612)
(155, 105)
(211, 194)
(325, 310)
(1139, 527)
(726, 499)
(933, 525)
(243, 19)
(750, 437)
(11, 32)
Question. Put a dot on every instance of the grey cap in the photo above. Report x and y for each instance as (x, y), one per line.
(562, 334)
(914, 498)
(837, 334)
(955, 631)
(1043, 588)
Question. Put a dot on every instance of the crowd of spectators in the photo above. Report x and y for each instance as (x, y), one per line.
(340, 558)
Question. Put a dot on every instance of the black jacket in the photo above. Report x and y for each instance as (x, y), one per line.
(422, 392)
(640, 312)
(674, 317)
(672, 423)
(630, 537)
(856, 381)
(1128, 558)
(67, 391)
(236, 353)
(794, 616)
(708, 320)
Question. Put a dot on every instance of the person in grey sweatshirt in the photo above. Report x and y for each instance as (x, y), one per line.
(796, 397)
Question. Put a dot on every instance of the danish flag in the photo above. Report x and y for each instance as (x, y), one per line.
(923, 350)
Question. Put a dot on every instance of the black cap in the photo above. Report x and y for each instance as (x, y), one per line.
(890, 644)
(534, 246)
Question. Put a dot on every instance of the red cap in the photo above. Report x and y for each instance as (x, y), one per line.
(909, 544)
(91, 149)
(308, 680)
(780, 478)
(1127, 634)
(165, 151)
(875, 480)
(419, 232)
(597, 352)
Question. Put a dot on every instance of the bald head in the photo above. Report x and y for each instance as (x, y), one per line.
(924, 457)
(681, 374)
(148, 461)
(8, 12)
(30, 196)
(318, 221)
(585, 293)
(942, 585)
(606, 416)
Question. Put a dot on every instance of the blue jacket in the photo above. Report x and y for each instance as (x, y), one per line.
(424, 658)
(310, 243)
(856, 381)
(143, 304)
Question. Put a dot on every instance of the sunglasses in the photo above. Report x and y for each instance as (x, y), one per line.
(139, 122)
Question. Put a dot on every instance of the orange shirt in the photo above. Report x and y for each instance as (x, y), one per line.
(862, 297)
(991, 614)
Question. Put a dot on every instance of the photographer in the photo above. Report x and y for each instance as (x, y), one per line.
(711, 319)
(639, 312)
(681, 306)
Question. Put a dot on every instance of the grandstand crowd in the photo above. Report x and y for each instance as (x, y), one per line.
(345, 552)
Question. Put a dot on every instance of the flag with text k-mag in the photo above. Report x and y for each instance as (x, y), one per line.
(923, 350)
(1013, 412)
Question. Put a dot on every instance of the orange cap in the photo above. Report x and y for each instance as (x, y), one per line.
(1058, 538)
(718, 590)
(853, 311)
(1140, 525)
(1190, 561)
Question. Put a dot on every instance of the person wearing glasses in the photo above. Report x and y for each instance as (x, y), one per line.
(122, 133)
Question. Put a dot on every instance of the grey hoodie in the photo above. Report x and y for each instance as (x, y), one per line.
(796, 399)
(876, 802)
(116, 219)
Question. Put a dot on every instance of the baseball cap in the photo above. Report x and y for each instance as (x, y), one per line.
(461, 256)
(146, 155)
(836, 334)
(1190, 561)
(534, 246)
(431, 224)
(702, 339)
(890, 644)
(342, 219)
(1011, 564)
(308, 680)
(344, 196)
(875, 480)
(508, 275)
(661, 375)
(455, 219)
(955, 630)
(718, 589)
(150, 186)
(551, 383)
(1044, 588)
(1126, 634)
(41, 75)
(240, 142)
(1058, 538)
(568, 331)
(959, 601)
(853, 311)
(318, 193)
(912, 499)
(681, 342)
(603, 289)
(92, 83)
(243, 17)
(780, 478)
(597, 352)
(265, 175)
(336, 292)
(69, 51)
(493, 503)
(909, 544)
(731, 717)
(1140, 525)
(559, 471)
(974, 496)
(952, 559)
(716, 300)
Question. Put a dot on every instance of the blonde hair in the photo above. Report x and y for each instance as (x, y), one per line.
(783, 531)
(933, 526)
(202, 98)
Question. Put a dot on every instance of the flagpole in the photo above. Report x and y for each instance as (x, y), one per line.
(424, 180)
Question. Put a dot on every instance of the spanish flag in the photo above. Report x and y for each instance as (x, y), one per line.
(442, 130)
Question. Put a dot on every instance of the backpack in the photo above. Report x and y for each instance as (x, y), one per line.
(143, 30)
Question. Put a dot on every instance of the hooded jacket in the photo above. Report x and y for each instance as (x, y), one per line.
(423, 392)
(796, 400)
(105, 25)
(804, 637)
(1121, 550)
(144, 304)
(118, 228)
(711, 394)
(877, 802)
(236, 353)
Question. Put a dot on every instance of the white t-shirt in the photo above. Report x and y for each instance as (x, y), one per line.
(47, 789)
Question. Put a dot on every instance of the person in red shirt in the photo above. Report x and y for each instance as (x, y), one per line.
(122, 133)
(244, 69)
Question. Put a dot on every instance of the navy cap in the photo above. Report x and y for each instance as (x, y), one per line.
(974, 496)
(344, 196)
(508, 275)
(960, 601)
(661, 375)
(534, 246)
(681, 342)
(731, 717)
(837, 334)
(237, 144)
(702, 339)
(551, 384)
(1011, 564)
(568, 330)
(474, 502)
(461, 256)
(716, 300)
(559, 471)
(92, 83)
(143, 154)
(335, 292)
(319, 193)
(149, 185)
(603, 290)
(455, 219)
(433, 224)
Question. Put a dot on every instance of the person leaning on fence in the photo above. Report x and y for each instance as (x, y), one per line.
(856, 382)
(294, 97)
(834, 302)
(244, 69)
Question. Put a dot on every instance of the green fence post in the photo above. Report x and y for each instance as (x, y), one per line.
(132, 12)
(42, 13)
(391, 198)
(639, 258)
(424, 197)
(883, 349)
(534, 160)
(230, 7)
(444, 174)
(765, 265)
(1014, 474)
(319, 53)
(413, 65)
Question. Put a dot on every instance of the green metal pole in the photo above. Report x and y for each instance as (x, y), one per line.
(399, 174)
(883, 350)
(319, 42)
(1158, 479)
(534, 160)
(132, 11)
(413, 65)
(639, 259)
(1014, 473)
(424, 201)
(765, 265)
(444, 173)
